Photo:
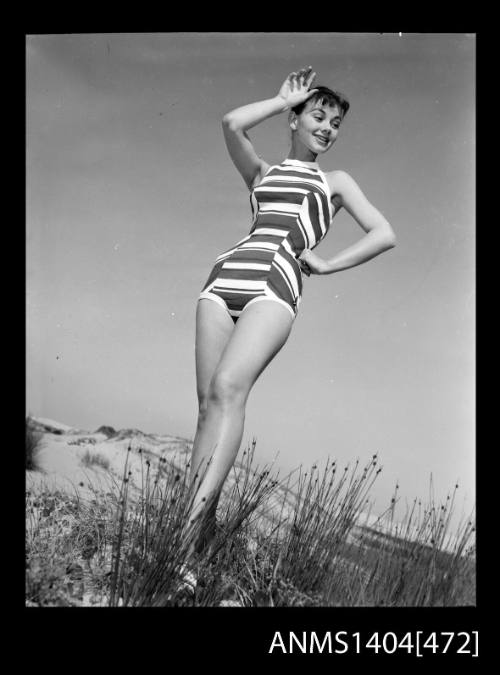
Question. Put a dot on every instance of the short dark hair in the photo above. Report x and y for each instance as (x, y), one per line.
(325, 96)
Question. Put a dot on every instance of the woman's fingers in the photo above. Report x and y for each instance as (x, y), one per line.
(301, 79)
(298, 77)
(307, 77)
(303, 264)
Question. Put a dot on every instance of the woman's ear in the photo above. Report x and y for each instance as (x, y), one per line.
(292, 119)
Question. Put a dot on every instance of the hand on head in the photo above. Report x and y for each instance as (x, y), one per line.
(296, 88)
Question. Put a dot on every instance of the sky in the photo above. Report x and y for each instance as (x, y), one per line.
(131, 195)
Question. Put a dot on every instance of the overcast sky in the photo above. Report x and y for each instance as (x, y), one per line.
(131, 196)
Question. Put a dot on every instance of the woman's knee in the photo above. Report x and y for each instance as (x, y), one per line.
(202, 408)
(225, 389)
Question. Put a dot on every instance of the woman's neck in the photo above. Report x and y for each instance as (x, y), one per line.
(294, 158)
(302, 154)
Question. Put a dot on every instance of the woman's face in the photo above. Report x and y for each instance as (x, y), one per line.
(317, 126)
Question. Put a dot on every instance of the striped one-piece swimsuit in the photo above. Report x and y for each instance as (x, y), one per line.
(292, 210)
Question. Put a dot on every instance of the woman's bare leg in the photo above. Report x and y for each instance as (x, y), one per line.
(214, 327)
(261, 331)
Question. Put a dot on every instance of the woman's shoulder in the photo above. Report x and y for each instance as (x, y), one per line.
(337, 175)
(338, 179)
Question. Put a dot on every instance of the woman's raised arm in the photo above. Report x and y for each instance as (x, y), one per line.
(236, 123)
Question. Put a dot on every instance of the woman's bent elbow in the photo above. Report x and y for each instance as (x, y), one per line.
(391, 240)
(228, 122)
(389, 237)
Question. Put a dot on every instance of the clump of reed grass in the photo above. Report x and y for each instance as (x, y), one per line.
(152, 541)
(327, 505)
(415, 561)
(33, 444)
(147, 548)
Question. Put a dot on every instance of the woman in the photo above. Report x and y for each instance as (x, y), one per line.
(293, 203)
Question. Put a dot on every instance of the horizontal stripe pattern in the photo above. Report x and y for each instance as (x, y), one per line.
(245, 266)
(291, 210)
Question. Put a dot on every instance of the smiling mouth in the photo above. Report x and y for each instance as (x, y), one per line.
(322, 140)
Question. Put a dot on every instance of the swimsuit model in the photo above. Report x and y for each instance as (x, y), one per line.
(291, 211)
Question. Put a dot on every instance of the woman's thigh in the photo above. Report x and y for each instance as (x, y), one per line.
(259, 334)
(214, 327)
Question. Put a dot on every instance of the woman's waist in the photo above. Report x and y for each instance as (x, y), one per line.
(266, 242)
(256, 249)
